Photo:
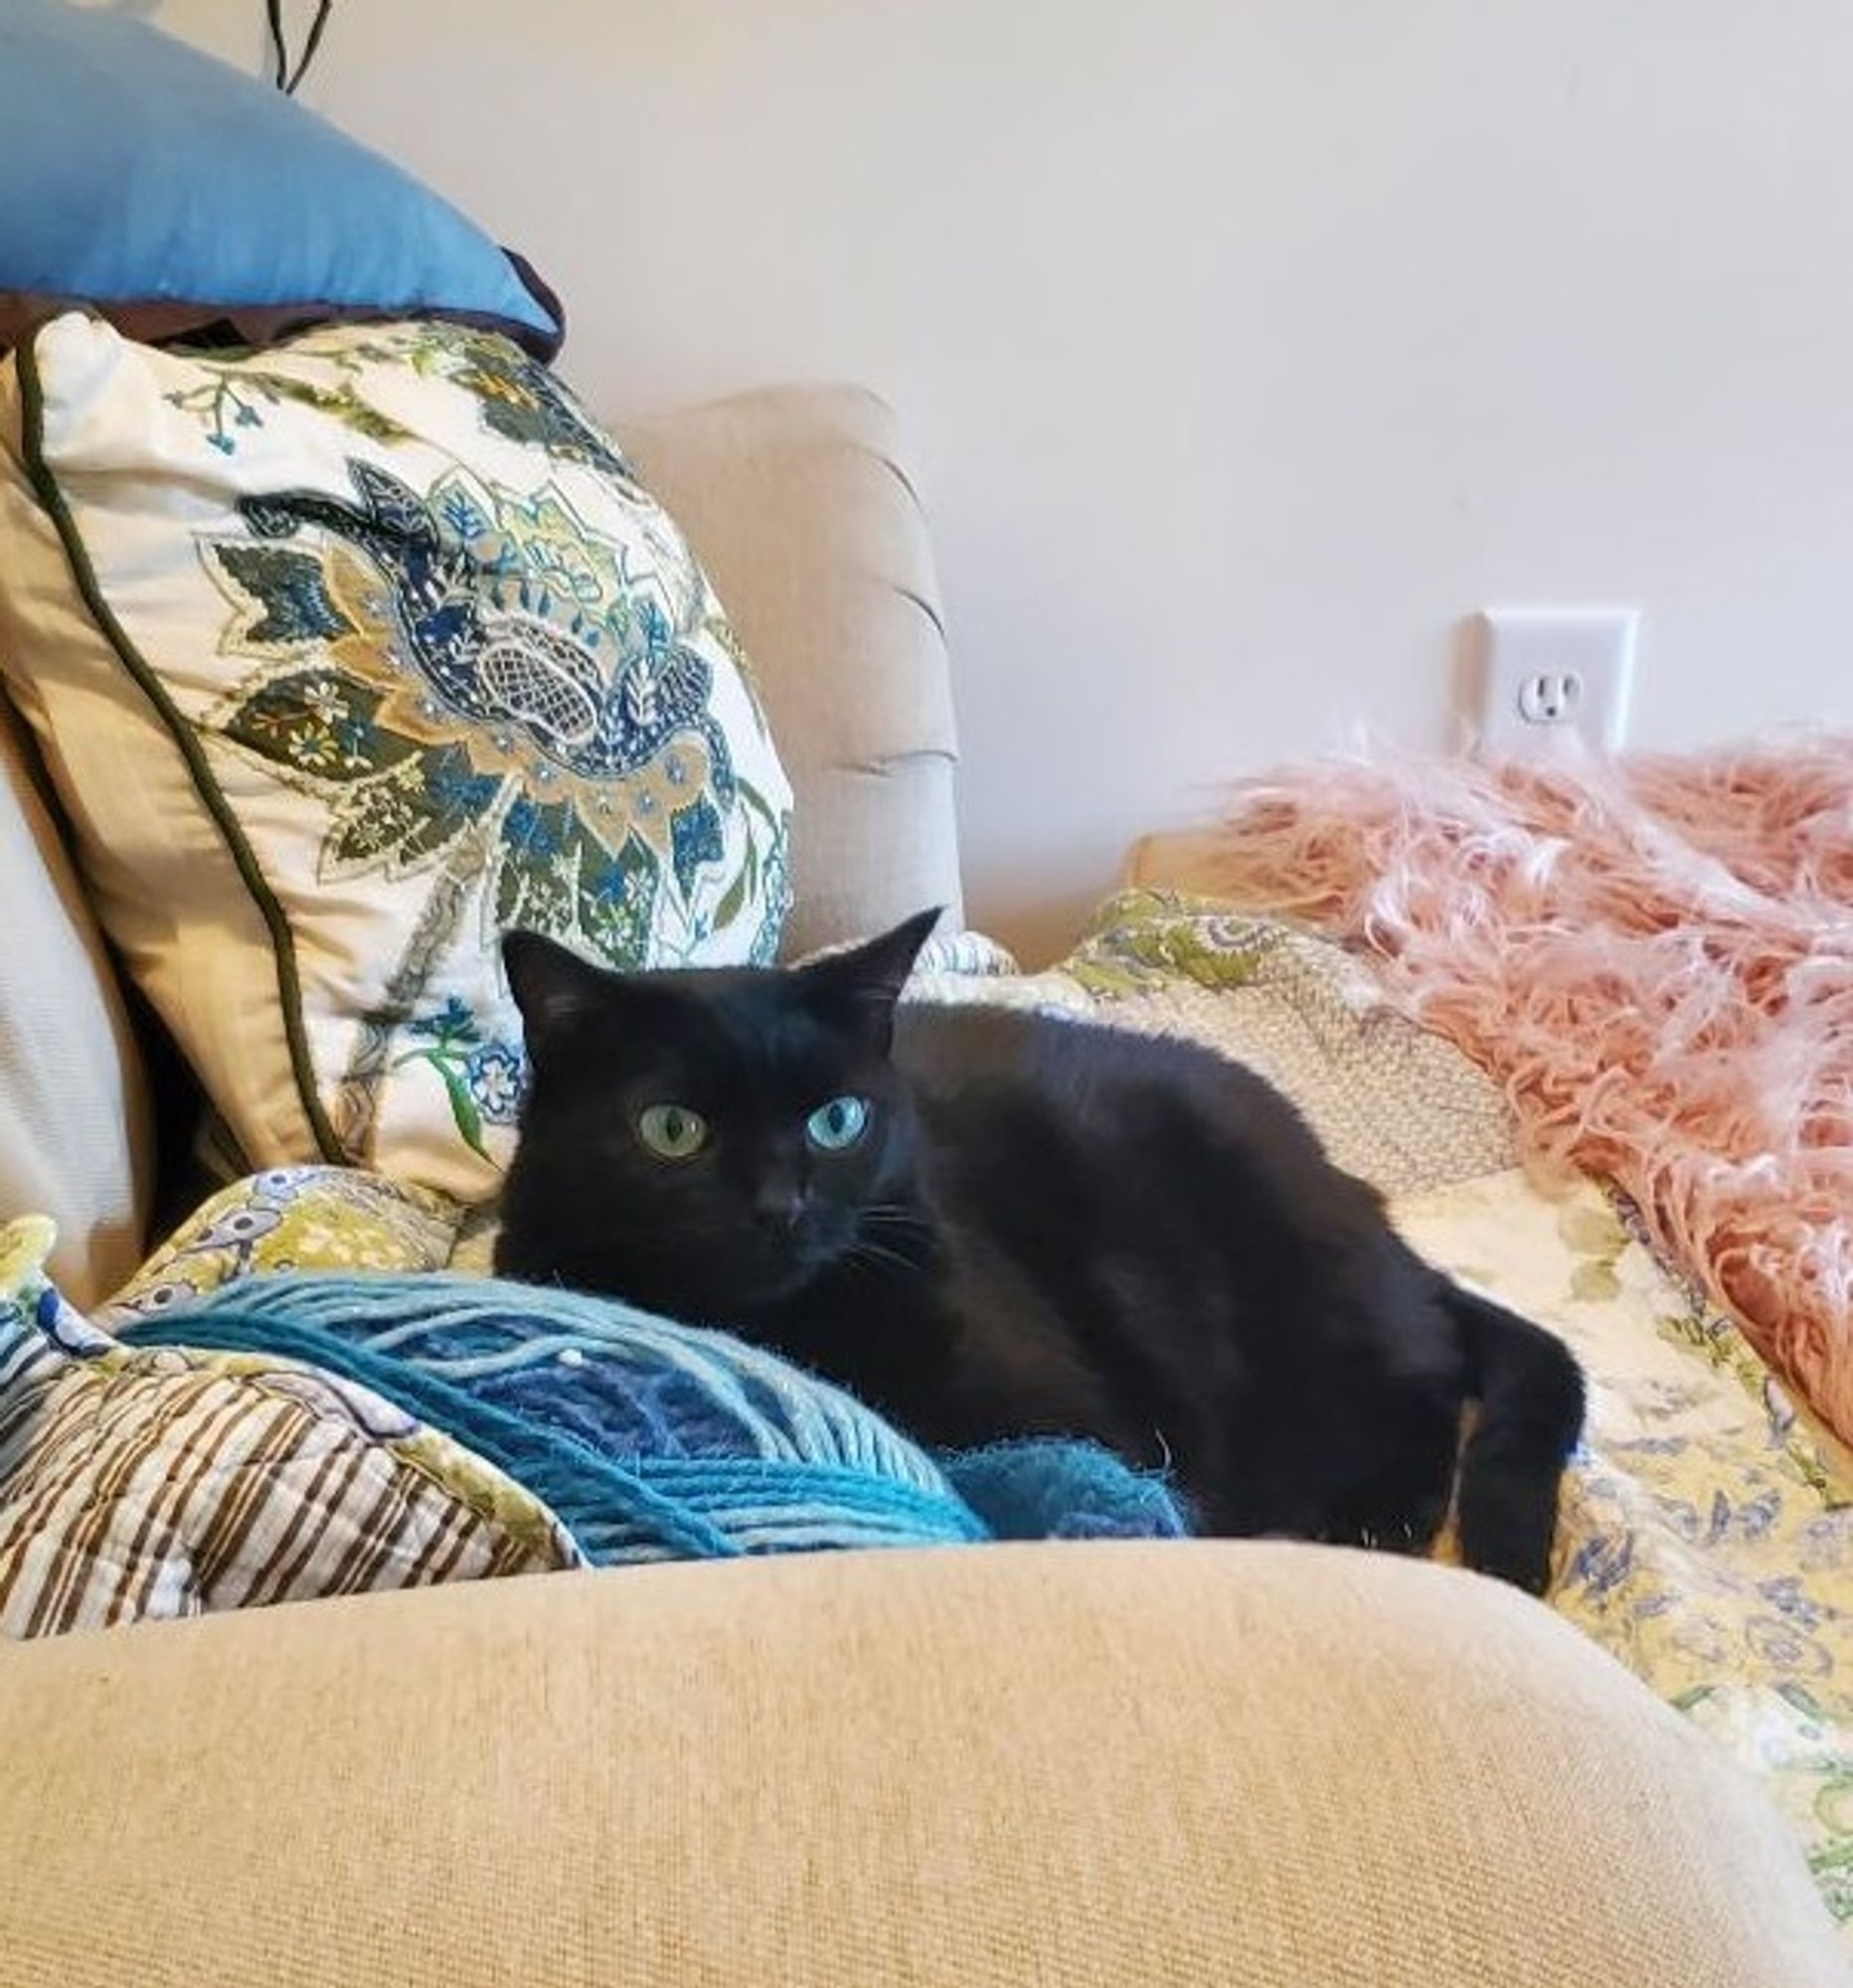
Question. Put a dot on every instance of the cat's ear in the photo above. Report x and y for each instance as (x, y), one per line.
(552, 987)
(862, 985)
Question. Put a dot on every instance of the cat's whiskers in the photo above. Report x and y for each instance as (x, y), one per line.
(894, 1217)
(875, 1255)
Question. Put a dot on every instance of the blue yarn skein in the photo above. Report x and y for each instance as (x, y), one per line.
(653, 1440)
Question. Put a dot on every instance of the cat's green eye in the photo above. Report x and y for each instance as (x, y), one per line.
(834, 1127)
(672, 1131)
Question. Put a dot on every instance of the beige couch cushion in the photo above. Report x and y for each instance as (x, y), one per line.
(796, 501)
(73, 1120)
(1185, 1765)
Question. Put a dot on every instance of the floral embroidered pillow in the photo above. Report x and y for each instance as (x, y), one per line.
(346, 656)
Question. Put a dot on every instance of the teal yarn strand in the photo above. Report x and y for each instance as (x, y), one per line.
(651, 1441)
(559, 1471)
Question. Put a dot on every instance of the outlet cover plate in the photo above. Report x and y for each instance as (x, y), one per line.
(1554, 680)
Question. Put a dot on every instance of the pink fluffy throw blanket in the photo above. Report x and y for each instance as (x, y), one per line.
(1655, 959)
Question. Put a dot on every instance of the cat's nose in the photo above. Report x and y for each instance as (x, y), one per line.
(780, 1209)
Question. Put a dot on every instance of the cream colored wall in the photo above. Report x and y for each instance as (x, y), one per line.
(1246, 344)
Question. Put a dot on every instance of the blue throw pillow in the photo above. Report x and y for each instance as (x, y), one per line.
(172, 193)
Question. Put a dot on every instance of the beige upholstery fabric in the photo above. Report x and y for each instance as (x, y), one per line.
(1191, 1766)
(797, 506)
(1181, 859)
(73, 1131)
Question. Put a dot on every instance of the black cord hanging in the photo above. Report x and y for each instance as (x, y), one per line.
(286, 78)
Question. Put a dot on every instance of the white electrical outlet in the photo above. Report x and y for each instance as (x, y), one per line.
(1554, 680)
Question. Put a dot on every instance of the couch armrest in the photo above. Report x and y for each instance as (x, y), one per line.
(797, 500)
(1185, 1766)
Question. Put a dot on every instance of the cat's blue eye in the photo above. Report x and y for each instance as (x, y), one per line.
(672, 1131)
(834, 1126)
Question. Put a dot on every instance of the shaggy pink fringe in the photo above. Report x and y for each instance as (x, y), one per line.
(1654, 958)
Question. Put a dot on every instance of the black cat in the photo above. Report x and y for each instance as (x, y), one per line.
(988, 1223)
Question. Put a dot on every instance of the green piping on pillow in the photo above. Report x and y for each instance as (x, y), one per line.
(282, 939)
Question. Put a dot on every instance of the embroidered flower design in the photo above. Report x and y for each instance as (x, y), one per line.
(483, 1080)
(494, 1076)
(475, 664)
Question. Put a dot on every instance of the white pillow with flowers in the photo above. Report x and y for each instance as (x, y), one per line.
(346, 656)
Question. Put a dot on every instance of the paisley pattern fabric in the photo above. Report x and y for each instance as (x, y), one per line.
(1391, 1103)
(313, 1218)
(382, 651)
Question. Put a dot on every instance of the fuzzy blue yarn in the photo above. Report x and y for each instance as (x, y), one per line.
(1041, 1490)
(652, 1440)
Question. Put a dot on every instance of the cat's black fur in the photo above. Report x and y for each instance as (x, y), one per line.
(1043, 1229)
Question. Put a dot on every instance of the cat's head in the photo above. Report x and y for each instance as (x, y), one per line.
(707, 1142)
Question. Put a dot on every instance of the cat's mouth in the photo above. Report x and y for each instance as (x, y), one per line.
(749, 1269)
(782, 1268)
